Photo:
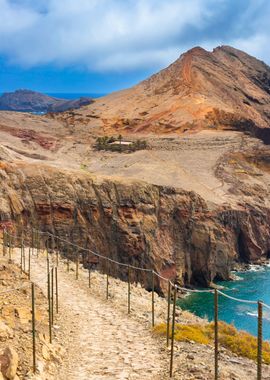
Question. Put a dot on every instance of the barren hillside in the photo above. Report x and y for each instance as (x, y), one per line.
(225, 88)
(191, 204)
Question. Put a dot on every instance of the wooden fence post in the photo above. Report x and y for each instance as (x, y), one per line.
(57, 245)
(77, 265)
(107, 281)
(21, 254)
(10, 247)
(38, 242)
(52, 294)
(33, 240)
(260, 338)
(153, 299)
(173, 328)
(24, 261)
(168, 313)
(56, 290)
(48, 265)
(128, 289)
(216, 333)
(33, 327)
(49, 309)
(4, 243)
(29, 263)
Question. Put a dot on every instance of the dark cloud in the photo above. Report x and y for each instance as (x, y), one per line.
(111, 35)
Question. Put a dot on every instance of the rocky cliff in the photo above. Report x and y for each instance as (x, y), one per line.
(170, 230)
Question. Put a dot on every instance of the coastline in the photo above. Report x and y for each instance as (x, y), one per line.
(249, 283)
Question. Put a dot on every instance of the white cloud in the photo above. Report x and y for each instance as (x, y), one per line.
(107, 34)
(257, 45)
(256, 17)
(14, 18)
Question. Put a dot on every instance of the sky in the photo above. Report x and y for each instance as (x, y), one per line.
(99, 46)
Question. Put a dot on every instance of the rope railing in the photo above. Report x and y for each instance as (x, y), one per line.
(211, 291)
(265, 305)
(172, 291)
(238, 299)
(14, 289)
(94, 253)
(147, 270)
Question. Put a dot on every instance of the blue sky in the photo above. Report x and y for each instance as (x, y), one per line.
(98, 46)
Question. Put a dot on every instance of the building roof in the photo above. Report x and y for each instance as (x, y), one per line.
(121, 143)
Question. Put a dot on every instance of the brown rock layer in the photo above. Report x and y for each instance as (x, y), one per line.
(175, 232)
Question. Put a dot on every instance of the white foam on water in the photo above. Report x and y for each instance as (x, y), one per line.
(252, 314)
(256, 268)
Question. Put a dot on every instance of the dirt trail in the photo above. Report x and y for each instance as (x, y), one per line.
(186, 70)
(101, 341)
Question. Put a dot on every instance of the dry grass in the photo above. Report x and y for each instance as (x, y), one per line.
(239, 342)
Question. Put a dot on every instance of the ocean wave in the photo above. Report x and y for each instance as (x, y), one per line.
(252, 314)
(266, 317)
(236, 277)
(256, 268)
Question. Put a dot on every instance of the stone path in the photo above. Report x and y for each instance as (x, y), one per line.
(101, 341)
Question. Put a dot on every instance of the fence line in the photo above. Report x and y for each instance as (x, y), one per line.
(34, 323)
(171, 286)
(152, 271)
(265, 305)
(95, 253)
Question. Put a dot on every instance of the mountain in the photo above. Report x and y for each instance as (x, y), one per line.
(222, 89)
(193, 204)
(64, 105)
(32, 101)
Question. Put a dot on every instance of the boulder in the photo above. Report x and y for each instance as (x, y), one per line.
(9, 361)
(5, 332)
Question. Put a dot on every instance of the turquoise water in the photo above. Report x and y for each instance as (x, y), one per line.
(254, 285)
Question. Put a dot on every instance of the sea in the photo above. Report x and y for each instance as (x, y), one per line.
(70, 96)
(74, 95)
(253, 285)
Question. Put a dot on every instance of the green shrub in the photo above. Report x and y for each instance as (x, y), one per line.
(104, 143)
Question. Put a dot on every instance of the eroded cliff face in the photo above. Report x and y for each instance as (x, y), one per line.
(175, 232)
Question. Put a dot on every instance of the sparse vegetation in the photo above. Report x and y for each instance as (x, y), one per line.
(239, 342)
(113, 144)
(83, 167)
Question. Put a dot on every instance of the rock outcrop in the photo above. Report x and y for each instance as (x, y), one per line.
(170, 230)
(9, 363)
